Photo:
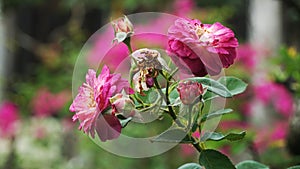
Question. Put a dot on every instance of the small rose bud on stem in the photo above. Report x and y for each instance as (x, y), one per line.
(189, 91)
(123, 29)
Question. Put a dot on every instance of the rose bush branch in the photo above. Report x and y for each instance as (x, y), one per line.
(107, 103)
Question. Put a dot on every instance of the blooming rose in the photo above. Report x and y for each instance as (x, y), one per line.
(92, 102)
(123, 29)
(204, 48)
(189, 91)
(123, 105)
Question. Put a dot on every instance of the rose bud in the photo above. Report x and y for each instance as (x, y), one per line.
(123, 29)
(122, 104)
(189, 91)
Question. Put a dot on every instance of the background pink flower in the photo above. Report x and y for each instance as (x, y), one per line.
(267, 137)
(187, 150)
(183, 7)
(46, 103)
(246, 56)
(276, 95)
(9, 115)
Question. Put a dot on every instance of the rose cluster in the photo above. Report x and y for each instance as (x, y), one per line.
(104, 101)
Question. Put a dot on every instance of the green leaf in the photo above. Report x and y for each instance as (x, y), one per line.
(150, 96)
(173, 136)
(209, 95)
(212, 159)
(294, 167)
(125, 121)
(213, 86)
(218, 136)
(174, 95)
(215, 114)
(249, 164)
(190, 166)
(233, 84)
(120, 36)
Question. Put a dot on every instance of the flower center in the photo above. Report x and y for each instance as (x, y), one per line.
(200, 30)
(92, 102)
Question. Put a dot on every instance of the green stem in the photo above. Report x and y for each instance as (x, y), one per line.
(166, 99)
(127, 43)
(138, 99)
(173, 73)
(196, 145)
(190, 109)
(171, 111)
(149, 106)
(159, 89)
(143, 106)
(163, 75)
(201, 114)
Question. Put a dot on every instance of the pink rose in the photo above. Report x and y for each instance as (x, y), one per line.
(204, 48)
(92, 102)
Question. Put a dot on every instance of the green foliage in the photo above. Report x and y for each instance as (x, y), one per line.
(190, 166)
(176, 135)
(132, 5)
(234, 85)
(249, 164)
(213, 86)
(150, 96)
(125, 121)
(214, 136)
(288, 71)
(215, 114)
(212, 159)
